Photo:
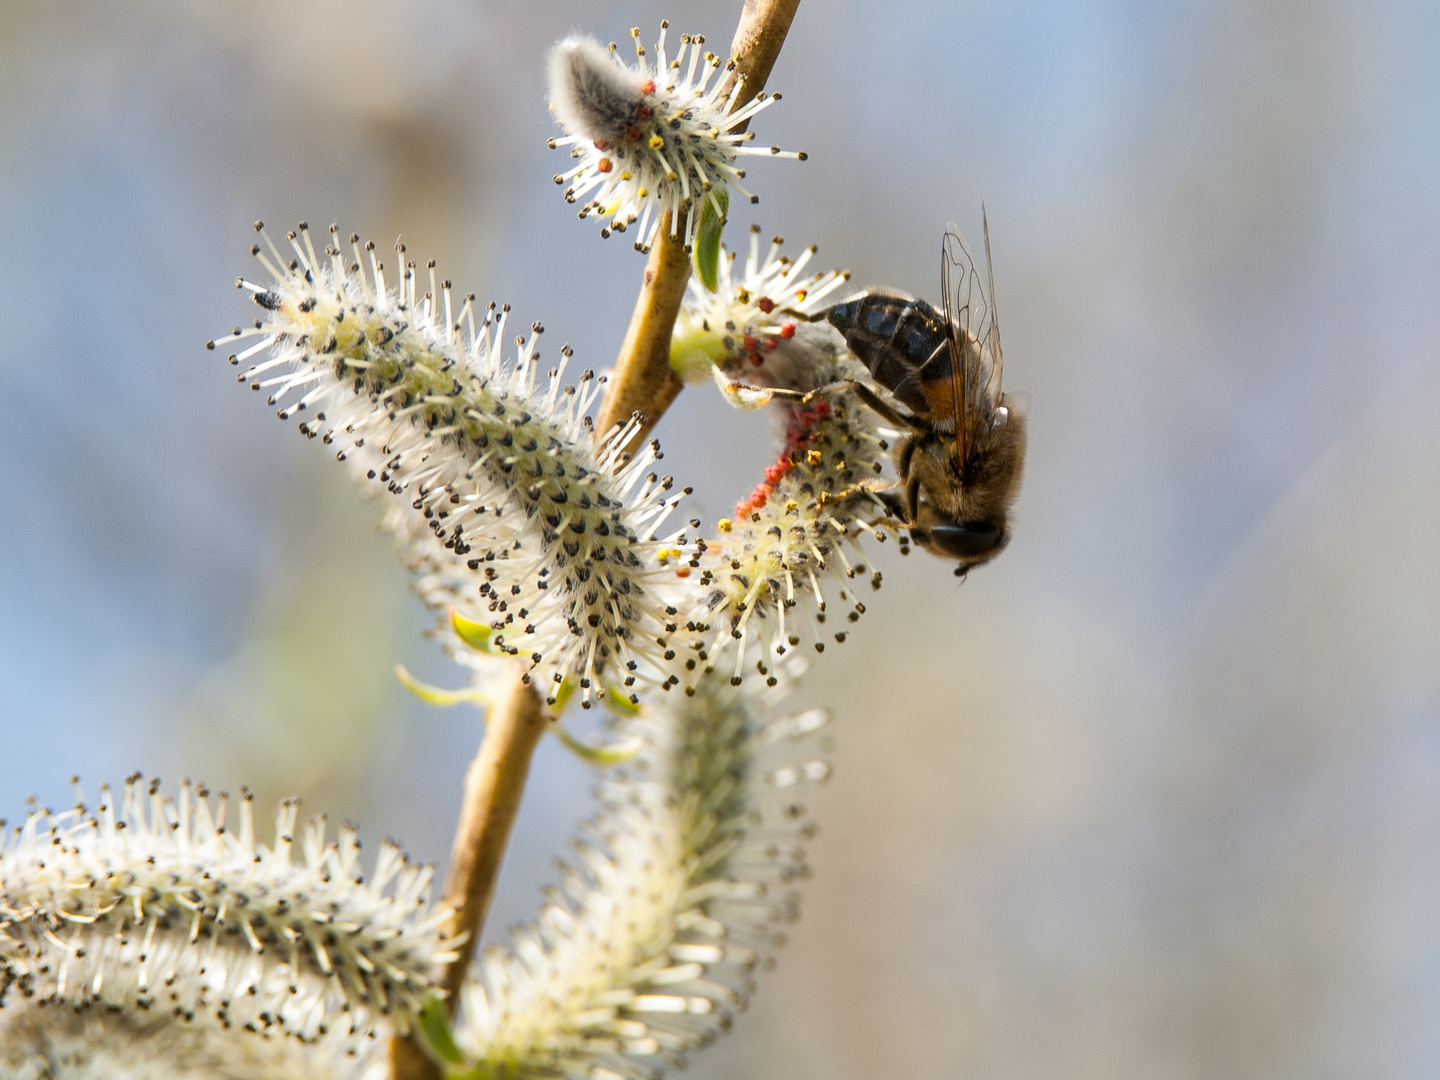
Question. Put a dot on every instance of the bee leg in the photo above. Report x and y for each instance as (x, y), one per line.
(876, 403)
(887, 500)
(818, 317)
(782, 394)
(825, 498)
(869, 397)
(912, 501)
(894, 507)
(907, 453)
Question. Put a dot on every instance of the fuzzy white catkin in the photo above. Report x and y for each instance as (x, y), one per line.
(59, 1043)
(654, 138)
(504, 503)
(764, 323)
(677, 892)
(159, 908)
(773, 573)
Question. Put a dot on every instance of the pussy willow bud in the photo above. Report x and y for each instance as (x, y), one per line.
(654, 137)
(798, 532)
(515, 515)
(162, 908)
(792, 549)
(42, 1042)
(763, 325)
(678, 891)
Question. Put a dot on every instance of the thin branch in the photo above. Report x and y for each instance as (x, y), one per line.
(409, 1061)
(643, 380)
(757, 41)
(494, 785)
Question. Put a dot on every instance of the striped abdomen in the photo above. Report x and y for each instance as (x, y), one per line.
(901, 341)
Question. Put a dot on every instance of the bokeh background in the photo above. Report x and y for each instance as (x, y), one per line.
(1157, 794)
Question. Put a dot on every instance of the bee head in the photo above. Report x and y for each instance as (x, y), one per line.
(969, 542)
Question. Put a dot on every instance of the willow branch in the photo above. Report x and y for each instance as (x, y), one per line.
(494, 785)
(643, 380)
(756, 45)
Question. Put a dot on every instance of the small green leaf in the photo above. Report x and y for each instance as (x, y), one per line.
(694, 350)
(434, 695)
(616, 700)
(434, 1025)
(613, 754)
(706, 256)
(476, 635)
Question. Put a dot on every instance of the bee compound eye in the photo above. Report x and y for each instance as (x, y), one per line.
(965, 539)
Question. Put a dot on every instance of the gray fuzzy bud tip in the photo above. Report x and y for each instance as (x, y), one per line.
(591, 93)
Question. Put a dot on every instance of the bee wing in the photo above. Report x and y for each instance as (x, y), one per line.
(993, 329)
(970, 305)
(955, 269)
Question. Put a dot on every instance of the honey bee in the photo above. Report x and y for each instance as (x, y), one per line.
(960, 459)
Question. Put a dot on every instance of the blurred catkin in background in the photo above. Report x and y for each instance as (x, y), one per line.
(1156, 794)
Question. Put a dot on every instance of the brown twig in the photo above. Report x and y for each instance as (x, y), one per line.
(494, 784)
(493, 787)
(757, 41)
(643, 380)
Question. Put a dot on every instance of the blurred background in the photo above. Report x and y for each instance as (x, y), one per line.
(1157, 794)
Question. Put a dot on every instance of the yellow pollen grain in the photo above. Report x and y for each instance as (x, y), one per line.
(814, 457)
(724, 525)
(656, 142)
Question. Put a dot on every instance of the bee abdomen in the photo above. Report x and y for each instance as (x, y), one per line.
(895, 337)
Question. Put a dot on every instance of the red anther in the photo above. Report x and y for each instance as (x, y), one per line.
(757, 498)
(743, 510)
(774, 473)
(755, 359)
(604, 164)
(807, 417)
(648, 86)
(632, 133)
(645, 112)
(771, 344)
(787, 330)
(822, 409)
(683, 571)
(765, 304)
(800, 294)
(750, 343)
(601, 144)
